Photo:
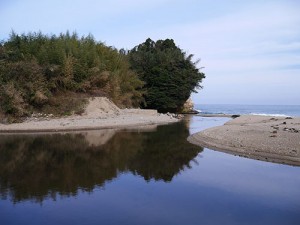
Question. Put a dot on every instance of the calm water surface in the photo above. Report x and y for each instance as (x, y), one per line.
(140, 177)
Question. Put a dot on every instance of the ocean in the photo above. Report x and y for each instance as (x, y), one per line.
(265, 110)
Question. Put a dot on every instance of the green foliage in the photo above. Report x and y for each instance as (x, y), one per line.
(169, 74)
(40, 72)
(35, 68)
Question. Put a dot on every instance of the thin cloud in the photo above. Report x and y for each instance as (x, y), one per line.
(241, 45)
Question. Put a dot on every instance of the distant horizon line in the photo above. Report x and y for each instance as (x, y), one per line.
(246, 104)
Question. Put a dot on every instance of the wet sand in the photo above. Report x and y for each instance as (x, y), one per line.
(274, 139)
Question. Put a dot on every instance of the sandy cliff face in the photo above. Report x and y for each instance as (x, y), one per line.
(101, 107)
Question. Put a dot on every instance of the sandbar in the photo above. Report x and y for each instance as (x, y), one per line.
(274, 139)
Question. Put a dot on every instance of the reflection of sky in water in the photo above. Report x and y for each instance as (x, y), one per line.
(198, 123)
(276, 184)
(242, 175)
(217, 189)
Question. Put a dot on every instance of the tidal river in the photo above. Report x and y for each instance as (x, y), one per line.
(141, 176)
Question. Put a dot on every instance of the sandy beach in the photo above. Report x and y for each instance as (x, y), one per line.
(100, 113)
(275, 139)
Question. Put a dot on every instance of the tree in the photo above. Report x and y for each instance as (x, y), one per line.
(42, 73)
(169, 74)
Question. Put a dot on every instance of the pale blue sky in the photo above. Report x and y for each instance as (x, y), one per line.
(250, 49)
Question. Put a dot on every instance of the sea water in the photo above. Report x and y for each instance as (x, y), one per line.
(271, 110)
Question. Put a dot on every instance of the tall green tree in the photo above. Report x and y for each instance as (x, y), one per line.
(169, 74)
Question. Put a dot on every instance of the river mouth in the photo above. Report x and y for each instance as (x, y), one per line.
(140, 177)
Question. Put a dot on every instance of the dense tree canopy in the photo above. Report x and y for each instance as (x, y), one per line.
(36, 68)
(55, 74)
(169, 74)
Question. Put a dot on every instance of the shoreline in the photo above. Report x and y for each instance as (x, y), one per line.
(84, 128)
(81, 123)
(267, 138)
(100, 113)
(217, 115)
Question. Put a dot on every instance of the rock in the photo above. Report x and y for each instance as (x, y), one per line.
(188, 107)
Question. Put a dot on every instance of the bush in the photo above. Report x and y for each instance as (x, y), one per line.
(37, 67)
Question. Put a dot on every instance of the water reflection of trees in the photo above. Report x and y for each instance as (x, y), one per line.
(40, 166)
